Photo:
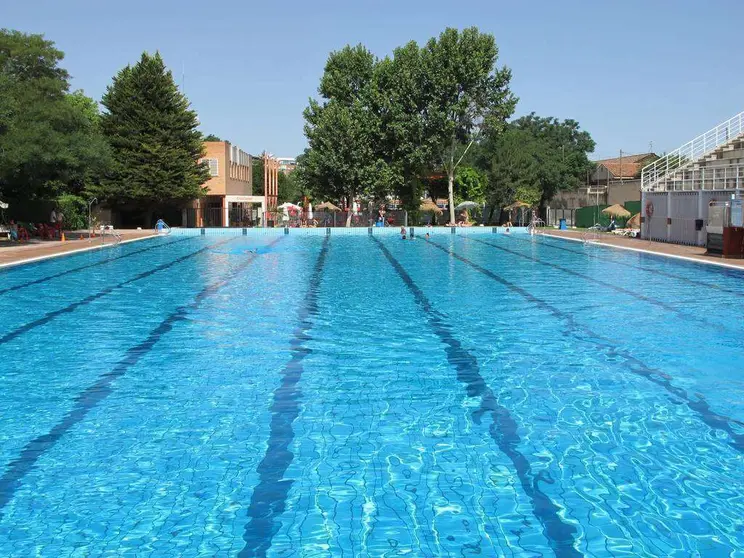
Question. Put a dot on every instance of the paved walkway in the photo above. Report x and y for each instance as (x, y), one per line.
(13, 253)
(696, 253)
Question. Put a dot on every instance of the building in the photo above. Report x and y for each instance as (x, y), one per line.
(616, 180)
(229, 200)
(287, 164)
(679, 187)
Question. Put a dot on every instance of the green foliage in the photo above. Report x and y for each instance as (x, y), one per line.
(561, 153)
(49, 139)
(342, 162)
(533, 159)
(466, 93)
(154, 136)
(470, 185)
(289, 188)
(384, 125)
(258, 176)
(75, 210)
(212, 137)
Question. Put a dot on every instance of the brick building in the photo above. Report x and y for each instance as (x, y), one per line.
(229, 200)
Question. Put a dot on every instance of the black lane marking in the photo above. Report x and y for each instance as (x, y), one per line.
(638, 267)
(100, 390)
(503, 428)
(88, 266)
(46, 318)
(269, 498)
(698, 404)
(616, 288)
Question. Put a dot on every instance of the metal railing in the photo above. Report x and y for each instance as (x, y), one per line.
(719, 177)
(692, 151)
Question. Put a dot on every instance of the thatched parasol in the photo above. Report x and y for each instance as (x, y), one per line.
(429, 206)
(516, 205)
(616, 210)
(634, 222)
(328, 206)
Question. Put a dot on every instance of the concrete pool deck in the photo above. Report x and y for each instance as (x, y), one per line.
(16, 253)
(676, 251)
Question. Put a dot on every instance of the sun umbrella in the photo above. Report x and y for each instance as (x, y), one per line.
(467, 205)
(516, 205)
(327, 205)
(616, 210)
(429, 206)
(288, 205)
(634, 222)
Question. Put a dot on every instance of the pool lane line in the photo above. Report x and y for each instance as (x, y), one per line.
(269, 498)
(49, 316)
(94, 394)
(88, 266)
(638, 267)
(622, 290)
(503, 428)
(698, 404)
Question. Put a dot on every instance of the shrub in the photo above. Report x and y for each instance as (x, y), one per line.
(75, 211)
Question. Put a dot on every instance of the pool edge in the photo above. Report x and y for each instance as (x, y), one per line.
(70, 252)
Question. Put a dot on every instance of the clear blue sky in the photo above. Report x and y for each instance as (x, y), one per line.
(630, 72)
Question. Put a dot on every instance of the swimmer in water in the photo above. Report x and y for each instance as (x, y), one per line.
(427, 236)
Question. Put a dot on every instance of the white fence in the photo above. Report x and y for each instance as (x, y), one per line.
(678, 217)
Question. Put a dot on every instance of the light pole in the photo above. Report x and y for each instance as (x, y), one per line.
(90, 222)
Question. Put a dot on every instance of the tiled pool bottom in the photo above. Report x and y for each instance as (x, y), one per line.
(355, 396)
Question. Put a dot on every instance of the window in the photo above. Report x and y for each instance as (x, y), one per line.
(213, 165)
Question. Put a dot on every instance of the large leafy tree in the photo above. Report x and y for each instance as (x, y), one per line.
(561, 152)
(50, 142)
(465, 93)
(155, 140)
(511, 163)
(342, 161)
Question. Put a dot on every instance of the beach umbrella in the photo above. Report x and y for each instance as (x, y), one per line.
(634, 222)
(3, 205)
(467, 205)
(428, 206)
(616, 210)
(288, 205)
(328, 206)
(516, 205)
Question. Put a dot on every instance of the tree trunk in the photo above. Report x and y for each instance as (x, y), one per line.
(451, 188)
(350, 205)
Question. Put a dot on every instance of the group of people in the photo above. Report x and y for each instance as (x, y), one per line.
(404, 234)
(49, 231)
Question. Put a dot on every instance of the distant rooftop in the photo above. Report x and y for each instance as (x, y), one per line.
(627, 166)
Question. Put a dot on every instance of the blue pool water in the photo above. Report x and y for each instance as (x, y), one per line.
(365, 396)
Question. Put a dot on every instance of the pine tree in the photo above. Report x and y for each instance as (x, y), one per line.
(154, 137)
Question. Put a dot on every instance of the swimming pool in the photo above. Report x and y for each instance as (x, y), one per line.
(367, 396)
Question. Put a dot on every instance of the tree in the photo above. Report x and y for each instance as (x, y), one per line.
(49, 140)
(512, 168)
(289, 188)
(155, 140)
(258, 176)
(465, 93)
(211, 137)
(342, 161)
(561, 153)
(470, 185)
